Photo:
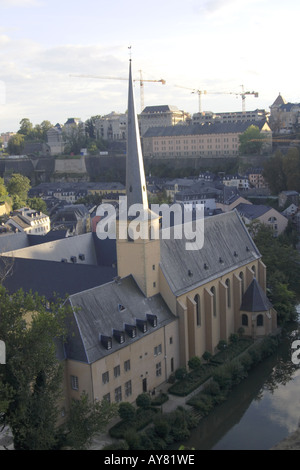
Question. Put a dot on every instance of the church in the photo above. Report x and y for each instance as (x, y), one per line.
(144, 315)
(166, 304)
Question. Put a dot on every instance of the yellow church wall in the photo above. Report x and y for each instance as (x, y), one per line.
(152, 360)
(229, 288)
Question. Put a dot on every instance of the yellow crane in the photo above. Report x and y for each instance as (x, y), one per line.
(141, 80)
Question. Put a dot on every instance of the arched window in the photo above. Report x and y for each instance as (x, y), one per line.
(254, 270)
(259, 320)
(213, 291)
(227, 282)
(244, 319)
(242, 279)
(198, 309)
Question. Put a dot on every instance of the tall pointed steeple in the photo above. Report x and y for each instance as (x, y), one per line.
(136, 190)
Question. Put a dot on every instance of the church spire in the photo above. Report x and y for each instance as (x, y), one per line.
(136, 190)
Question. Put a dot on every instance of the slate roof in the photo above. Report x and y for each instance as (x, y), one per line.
(279, 101)
(227, 246)
(252, 211)
(160, 109)
(96, 312)
(202, 129)
(13, 241)
(49, 277)
(254, 299)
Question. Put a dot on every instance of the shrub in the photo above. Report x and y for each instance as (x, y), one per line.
(160, 399)
(203, 403)
(143, 400)
(212, 388)
(255, 355)
(236, 371)
(223, 378)
(207, 356)
(145, 441)
(194, 362)
(222, 345)
(233, 338)
(126, 411)
(161, 427)
(181, 373)
(241, 331)
(246, 361)
(133, 440)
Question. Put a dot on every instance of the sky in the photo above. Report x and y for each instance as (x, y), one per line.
(220, 47)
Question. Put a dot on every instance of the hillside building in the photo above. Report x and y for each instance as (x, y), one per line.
(191, 141)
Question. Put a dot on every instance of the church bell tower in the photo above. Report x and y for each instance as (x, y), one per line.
(138, 244)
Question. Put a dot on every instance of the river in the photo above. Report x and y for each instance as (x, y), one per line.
(261, 411)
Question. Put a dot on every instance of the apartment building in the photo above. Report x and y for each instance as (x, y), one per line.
(285, 117)
(29, 221)
(111, 127)
(207, 140)
(233, 116)
(161, 116)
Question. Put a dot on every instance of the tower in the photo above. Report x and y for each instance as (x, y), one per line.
(138, 244)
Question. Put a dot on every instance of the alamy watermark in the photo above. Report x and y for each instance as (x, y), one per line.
(296, 353)
(2, 352)
(186, 224)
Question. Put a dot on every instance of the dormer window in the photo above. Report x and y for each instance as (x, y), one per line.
(152, 319)
(130, 330)
(106, 341)
(119, 336)
(142, 325)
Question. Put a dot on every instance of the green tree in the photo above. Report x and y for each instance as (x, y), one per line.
(3, 191)
(15, 144)
(85, 420)
(75, 139)
(37, 204)
(40, 131)
(251, 141)
(274, 174)
(18, 187)
(26, 128)
(31, 381)
(291, 169)
(283, 269)
(31, 378)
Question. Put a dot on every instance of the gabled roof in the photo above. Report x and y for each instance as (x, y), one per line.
(254, 299)
(160, 109)
(202, 129)
(227, 246)
(252, 211)
(279, 101)
(97, 312)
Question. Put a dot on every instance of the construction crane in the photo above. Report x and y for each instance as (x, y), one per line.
(198, 92)
(242, 94)
(141, 80)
